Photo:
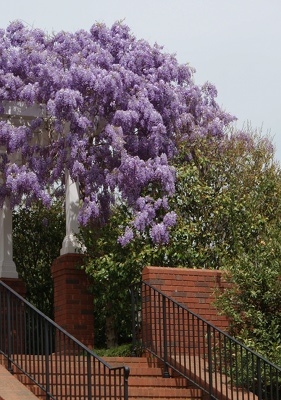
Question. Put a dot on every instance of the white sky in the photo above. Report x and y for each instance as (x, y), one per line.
(235, 44)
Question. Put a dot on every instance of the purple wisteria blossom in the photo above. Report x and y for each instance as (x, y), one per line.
(159, 233)
(127, 237)
(112, 110)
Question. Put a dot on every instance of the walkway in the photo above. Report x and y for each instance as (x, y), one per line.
(11, 388)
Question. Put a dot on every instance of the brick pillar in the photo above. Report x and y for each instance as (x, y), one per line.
(16, 284)
(12, 319)
(73, 304)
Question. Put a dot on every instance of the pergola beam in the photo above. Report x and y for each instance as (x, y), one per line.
(18, 113)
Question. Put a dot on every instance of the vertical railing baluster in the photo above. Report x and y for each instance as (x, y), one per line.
(89, 377)
(178, 352)
(205, 352)
(210, 361)
(248, 373)
(183, 355)
(278, 387)
(221, 362)
(156, 323)
(46, 333)
(105, 382)
(236, 367)
(198, 356)
(95, 374)
(166, 371)
(150, 316)
(9, 316)
(133, 316)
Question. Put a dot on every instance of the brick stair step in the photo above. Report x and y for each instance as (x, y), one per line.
(156, 382)
(173, 393)
(136, 364)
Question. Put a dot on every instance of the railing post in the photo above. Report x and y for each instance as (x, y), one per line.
(126, 385)
(209, 338)
(166, 371)
(259, 378)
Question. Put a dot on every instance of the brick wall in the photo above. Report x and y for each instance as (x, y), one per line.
(73, 302)
(193, 288)
(17, 314)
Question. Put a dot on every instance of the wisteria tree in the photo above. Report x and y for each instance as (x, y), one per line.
(112, 110)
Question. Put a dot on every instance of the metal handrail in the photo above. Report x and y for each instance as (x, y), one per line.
(52, 359)
(219, 365)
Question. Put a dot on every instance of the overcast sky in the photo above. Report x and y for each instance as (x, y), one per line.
(235, 44)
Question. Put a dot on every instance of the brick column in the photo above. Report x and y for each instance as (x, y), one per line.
(11, 319)
(16, 284)
(73, 304)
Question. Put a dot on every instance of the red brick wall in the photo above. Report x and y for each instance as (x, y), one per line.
(74, 307)
(193, 288)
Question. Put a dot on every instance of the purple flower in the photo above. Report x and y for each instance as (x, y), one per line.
(159, 234)
(114, 108)
(127, 237)
(170, 219)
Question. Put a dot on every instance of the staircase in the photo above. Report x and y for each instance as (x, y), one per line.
(146, 381)
(186, 357)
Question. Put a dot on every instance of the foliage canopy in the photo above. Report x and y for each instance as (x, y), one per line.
(227, 202)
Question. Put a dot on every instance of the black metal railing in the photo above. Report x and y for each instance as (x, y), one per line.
(215, 362)
(58, 364)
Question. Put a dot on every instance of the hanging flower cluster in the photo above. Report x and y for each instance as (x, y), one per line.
(112, 110)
